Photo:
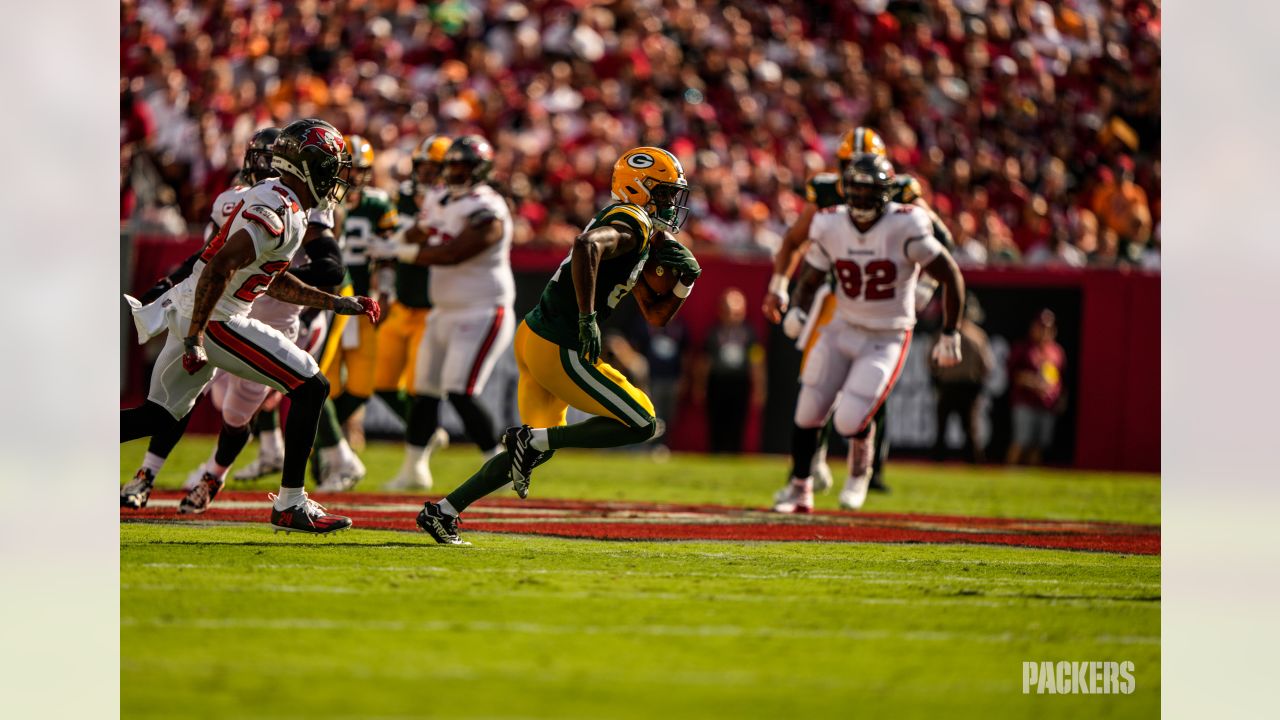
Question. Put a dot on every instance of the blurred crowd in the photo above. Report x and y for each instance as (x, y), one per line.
(1033, 126)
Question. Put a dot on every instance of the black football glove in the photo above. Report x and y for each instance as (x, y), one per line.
(588, 337)
(678, 257)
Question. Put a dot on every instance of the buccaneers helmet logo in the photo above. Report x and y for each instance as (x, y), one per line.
(325, 139)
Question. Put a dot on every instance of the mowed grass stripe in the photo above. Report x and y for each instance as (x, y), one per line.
(528, 628)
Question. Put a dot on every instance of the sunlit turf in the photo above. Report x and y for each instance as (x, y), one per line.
(751, 481)
(221, 621)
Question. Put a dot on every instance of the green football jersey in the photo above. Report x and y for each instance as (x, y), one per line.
(556, 315)
(375, 215)
(823, 190)
(412, 281)
(906, 189)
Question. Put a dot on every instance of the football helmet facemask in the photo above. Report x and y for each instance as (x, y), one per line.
(467, 162)
(314, 152)
(867, 183)
(257, 158)
(653, 179)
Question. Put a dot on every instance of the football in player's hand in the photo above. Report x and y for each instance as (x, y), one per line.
(660, 279)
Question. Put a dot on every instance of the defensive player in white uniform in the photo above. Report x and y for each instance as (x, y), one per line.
(245, 259)
(876, 248)
(238, 399)
(468, 248)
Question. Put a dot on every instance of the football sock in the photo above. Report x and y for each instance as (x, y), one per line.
(329, 430)
(397, 401)
(266, 420)
(424, 418)
(163, 442)
(491, 476)
(338, 454)
(597, 432)
(414, 454)
(144, 421)
(881, 443)
(272, 442)
(305, 404)
(231, 440)
(346, 405)
(475, 420)
(447, 508)
(540, 442)
(288, 497)
(152, 463)
(803, 442)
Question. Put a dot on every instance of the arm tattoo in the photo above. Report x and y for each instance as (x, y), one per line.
(290, 289)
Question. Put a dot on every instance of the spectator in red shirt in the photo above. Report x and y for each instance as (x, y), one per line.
(1035, 374)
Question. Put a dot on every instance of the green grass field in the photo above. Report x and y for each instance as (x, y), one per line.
(232, 621)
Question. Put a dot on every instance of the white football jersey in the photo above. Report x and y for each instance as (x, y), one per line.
(875, 271)
(223, 205)
(483, 279)
(270, 213)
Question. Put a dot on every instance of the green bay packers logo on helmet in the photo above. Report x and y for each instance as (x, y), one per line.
(640, 160)
(653, 179)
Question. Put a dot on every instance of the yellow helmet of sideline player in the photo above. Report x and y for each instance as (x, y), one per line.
(428, 159)
(857, 141)
(361, 160)
(653, 179)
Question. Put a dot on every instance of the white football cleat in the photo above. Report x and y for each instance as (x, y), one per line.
(795, 497)
(194, 478)
(822, 480)
(854, 493)
(416, 476)
(260, 466)
(341, 473)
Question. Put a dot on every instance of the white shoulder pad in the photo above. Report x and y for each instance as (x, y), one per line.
(268, 218)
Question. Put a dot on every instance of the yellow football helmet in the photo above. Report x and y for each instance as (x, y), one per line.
(859, 140)
(361, 159)
(428, 159)
(653, 179)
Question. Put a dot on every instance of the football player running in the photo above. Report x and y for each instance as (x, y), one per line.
(464, 237)
(808, 446)
(557, 346)
(206, 315)
(236, 398)
(400, 332)
(876, 248)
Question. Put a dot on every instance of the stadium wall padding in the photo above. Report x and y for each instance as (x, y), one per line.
(1114, 354)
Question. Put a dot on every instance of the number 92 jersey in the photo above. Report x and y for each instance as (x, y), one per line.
(875, 271)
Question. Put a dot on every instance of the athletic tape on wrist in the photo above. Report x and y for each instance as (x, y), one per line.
(778, 284)
(681, 290)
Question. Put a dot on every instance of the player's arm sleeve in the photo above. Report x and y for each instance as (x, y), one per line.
(325, 268)
(817, 255)
(922, 247)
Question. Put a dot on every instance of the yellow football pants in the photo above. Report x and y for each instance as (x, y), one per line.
(825, 313)
(399, 335)
(357, 361)
(552, 378)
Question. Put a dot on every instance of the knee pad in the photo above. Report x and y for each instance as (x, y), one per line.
(853, 414)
